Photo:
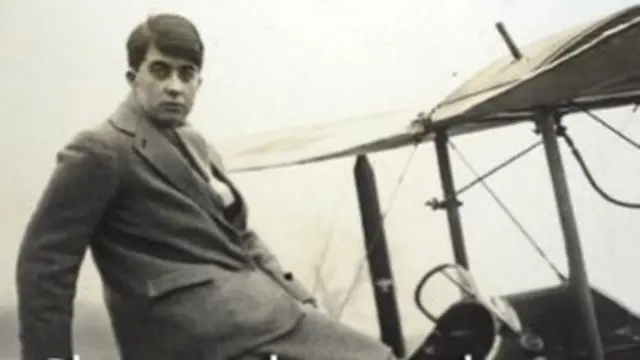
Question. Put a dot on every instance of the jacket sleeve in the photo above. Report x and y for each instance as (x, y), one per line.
(55, 242)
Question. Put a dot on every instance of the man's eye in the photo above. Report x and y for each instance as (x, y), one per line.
(187, 74)
(160, 71)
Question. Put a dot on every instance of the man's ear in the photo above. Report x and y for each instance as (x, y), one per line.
(130, 75)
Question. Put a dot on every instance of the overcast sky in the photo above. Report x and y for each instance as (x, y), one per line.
(280, 63)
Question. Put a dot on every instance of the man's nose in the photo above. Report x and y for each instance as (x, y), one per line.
(174, 86)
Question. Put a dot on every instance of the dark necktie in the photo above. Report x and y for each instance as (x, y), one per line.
(216, 186)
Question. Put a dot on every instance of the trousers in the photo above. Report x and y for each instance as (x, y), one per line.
(317, 337)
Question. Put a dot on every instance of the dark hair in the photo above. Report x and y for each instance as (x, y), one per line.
(171, 34)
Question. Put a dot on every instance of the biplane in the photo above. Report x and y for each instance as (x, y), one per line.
(587, 68)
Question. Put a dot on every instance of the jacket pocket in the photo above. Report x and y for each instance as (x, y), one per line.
(180, 280)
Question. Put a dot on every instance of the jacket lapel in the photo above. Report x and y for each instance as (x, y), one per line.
(206, 173)
(164, 157)
(211, 166)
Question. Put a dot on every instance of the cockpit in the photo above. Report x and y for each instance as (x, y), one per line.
(537, 325)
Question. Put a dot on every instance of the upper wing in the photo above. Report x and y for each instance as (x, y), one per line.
(595, 65)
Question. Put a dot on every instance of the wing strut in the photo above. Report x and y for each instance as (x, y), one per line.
(451, 202)
(578, 281)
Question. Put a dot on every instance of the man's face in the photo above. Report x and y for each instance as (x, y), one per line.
(166, 87)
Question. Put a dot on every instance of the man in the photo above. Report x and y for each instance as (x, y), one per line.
(184, 277)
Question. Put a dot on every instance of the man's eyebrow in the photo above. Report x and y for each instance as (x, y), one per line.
(188, 67)
(159, 62)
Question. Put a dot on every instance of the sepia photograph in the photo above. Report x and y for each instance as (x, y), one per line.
(320, 180)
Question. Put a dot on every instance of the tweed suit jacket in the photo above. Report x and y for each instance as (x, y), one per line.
(184, 277)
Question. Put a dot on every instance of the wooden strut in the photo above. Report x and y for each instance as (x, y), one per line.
(451, 204)
(578, 281)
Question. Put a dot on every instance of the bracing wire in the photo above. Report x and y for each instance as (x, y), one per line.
(500, 166)
(511, 216)
(601, 121)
